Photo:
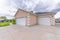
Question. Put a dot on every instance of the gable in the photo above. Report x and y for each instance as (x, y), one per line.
(22, 13)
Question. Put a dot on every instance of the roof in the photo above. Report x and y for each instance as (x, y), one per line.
(45, 13)
(24, 11)
(37, 13)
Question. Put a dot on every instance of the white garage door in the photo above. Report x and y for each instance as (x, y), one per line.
(44, 21)
(21, 21)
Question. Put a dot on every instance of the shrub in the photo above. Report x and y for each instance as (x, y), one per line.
(13, 21)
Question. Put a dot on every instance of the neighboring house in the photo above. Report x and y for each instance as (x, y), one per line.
(1, 19)
(28, 18)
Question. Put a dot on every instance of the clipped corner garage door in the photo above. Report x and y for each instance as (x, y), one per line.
(44, 21)
(21, 21)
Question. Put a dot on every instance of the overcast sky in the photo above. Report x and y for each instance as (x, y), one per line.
(9, 7)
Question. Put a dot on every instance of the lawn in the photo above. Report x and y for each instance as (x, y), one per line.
(7, 23)
(4, 24)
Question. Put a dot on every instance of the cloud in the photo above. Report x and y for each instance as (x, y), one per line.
(47, 5)
(10, 6)
(31, 4)
(4, 6)
(36, 5)
(25, 4)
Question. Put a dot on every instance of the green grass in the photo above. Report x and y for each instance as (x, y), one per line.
(4, 24)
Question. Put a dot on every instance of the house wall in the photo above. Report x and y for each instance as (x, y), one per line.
(33, 19)
(52, 19)
(21, 13)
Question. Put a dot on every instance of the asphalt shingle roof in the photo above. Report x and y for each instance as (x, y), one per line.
(45, 13)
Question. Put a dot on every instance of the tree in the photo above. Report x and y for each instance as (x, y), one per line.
(3, 17)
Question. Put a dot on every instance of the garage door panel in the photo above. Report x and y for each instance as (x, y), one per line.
(21, 21)
(44, 21)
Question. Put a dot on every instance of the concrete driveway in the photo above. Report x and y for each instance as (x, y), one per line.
(57, 25)
(37, 32)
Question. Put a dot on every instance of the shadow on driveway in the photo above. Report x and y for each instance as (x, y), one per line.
(57, 25)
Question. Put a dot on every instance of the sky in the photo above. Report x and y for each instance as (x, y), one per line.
(10, 7)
